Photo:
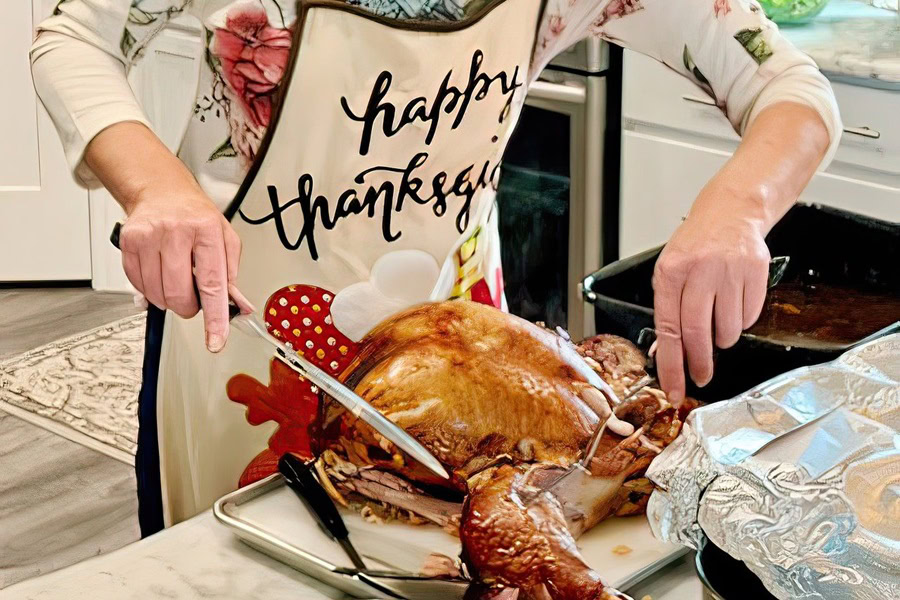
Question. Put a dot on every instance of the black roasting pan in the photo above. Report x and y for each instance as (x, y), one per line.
(824, 246)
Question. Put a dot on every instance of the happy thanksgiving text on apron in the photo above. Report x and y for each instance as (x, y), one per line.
(383, 116)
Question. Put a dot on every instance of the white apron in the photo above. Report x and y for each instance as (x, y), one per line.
(375, 184)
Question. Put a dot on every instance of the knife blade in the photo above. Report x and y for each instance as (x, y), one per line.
(344, 395)
(331, 386)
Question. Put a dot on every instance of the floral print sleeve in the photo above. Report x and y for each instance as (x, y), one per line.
(727, 47)
(122, 28)
(80, 59)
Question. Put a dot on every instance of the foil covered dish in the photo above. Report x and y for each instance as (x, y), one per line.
(799, 478)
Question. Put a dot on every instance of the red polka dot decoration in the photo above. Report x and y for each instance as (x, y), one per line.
(300, 316)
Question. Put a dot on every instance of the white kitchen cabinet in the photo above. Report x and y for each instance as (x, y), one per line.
(657, 97)
(44, 226)
(674, 141)
(51, 229)
(660, 179)
(663, 177)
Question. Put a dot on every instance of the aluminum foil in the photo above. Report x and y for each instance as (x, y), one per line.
(799, 478)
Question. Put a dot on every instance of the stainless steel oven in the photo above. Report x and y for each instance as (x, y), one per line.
(551, 190)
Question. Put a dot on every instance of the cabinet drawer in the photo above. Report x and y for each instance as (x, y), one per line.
(656, 97)
(661, 178)
(871, 127)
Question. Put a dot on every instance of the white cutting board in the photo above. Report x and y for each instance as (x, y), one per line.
(399, 546)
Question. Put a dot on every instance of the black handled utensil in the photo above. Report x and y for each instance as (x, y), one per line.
(233, 309)
(646, 339)
(300, 478)
(647, 335)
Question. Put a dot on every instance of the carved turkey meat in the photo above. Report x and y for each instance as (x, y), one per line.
(506, 406)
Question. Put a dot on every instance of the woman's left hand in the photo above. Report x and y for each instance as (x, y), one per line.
(710, 280)
(709, 285)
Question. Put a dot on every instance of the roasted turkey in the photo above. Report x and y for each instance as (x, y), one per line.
(507, 406)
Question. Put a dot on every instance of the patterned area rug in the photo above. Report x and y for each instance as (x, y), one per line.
(88, 382)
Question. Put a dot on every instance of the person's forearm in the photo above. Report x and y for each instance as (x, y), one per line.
(174, 233)
(133, 164)
(778, 155)
(710, 280)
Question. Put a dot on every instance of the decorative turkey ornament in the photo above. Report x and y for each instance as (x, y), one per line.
(300, 316)
(265, 464)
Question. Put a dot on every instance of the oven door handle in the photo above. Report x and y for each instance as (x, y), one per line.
(572, 93)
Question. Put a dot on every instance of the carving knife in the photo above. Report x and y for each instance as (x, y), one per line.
(345, 396)
(331, 386)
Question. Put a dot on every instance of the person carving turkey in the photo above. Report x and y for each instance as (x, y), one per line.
(355, 147)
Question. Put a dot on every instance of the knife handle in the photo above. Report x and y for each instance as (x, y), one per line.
(233, 309)
(646, 338)
(300, 478)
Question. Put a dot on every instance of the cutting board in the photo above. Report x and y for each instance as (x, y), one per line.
(622, 550)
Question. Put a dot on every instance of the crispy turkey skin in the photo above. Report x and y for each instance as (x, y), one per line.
(506, 406)
(471, 382)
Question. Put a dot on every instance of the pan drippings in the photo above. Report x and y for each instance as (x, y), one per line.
(824, 315)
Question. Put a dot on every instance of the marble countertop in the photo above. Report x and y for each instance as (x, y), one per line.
(852, 41)
(202, 559)
(198, 558)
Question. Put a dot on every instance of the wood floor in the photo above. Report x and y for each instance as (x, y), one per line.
(32, 317)
(60, 502)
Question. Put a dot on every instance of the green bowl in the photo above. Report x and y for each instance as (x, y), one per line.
(787, 12)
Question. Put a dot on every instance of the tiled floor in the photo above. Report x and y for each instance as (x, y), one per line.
(60, 502)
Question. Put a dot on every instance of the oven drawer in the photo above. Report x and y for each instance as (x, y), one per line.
(656, 97)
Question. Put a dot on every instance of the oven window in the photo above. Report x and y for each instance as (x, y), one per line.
(533, 197)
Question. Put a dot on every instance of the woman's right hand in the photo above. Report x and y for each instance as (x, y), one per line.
(174, 234)
(169, 241)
